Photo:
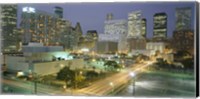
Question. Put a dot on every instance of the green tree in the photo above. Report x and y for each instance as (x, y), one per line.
(91, 74)
(66, 74)
(112, 65)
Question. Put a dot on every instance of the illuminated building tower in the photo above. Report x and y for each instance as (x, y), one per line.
(160, 25)
(183, 18)
(115, 30)
(92, 35)
(59, 11)
(39, 26)
(144, 27)
(134, 24)
(134, 38)
(183, 34)
(183, 40)
(78, 30)
(8, 22)
(115, 27)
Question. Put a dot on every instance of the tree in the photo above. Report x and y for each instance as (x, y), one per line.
(91, 74)
(112, 65)
(66, 74)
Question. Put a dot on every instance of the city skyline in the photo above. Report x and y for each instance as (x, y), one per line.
(49, 55)
(90, 20)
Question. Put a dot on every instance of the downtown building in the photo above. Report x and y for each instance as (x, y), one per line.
(39, 26)
(115, 31)
(42, 60)
(8, 23)
(134, 38)
(160, 26)
(144, 27)
(92, 35)
(183, 35)
(89, 40)
(48, 28)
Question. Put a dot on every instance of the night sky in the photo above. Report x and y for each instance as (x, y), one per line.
(92, 15)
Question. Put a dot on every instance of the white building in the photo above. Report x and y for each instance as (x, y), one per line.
(20, 63)
(134, 24)
(143, 52)
(115, 27)
(109, 37)
(42, 60)
(115, 31)
(156, 46)
(38, 47)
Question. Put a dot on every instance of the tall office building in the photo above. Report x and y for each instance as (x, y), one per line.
(134, 38)
(144, 27)
(115, 27)
(160, 25)
(183, 40)
(49, 29)
(134, 24)
(8, 22)
(78, 30)
(183, 18)
(92, 35)
(59, 11)
(115, 30)
(40, 26)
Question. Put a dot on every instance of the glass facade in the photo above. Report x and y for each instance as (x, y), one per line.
(134, 24)
(8, 24)
(160, 25)
(183, 18)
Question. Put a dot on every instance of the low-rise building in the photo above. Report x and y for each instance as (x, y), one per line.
(106, 47)
(42, 60)
(21, 63)
(156, 46)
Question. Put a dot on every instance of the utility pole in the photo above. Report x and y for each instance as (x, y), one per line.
(133, 86)
(35, 86)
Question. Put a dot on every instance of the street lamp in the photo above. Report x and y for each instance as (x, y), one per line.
(65, 87)
(132, 74)
(112, 85)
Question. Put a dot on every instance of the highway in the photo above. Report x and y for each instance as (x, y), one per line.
(29, 86)
(103, 87)
(98, 88)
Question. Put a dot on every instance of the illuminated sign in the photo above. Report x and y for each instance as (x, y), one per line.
(28, 9)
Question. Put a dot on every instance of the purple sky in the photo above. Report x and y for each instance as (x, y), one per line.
(92, 15)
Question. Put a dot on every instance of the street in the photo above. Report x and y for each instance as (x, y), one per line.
(98, 88)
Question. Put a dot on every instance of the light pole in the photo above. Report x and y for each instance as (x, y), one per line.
(132, 74)
(34, 81)
(112, 85)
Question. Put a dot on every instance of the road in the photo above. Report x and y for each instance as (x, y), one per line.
(160, 87)
(98, 88)
(103, 87)
(29, 86)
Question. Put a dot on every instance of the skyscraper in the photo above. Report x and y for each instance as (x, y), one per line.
(134, 38)
(183, 18)
(115, 27)
(92, 35)
(8, 21)
(144, 27)
(160, 25)
(39, 26)
(134, 24)
(59, 11)
(183, 35)
(183, 40)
